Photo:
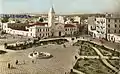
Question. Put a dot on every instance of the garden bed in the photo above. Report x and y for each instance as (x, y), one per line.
(35, 43)
(2, 52)
(114, 62)
(85, 49)
(105, 51)
(92, 66)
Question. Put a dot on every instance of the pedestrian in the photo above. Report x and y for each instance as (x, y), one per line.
(23, 61)
(65, 73)
(16, 62)
(9, 65)
(75, 57)
(32, 61)
(71, 70)
(64, 46)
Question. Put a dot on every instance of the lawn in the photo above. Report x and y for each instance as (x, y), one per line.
(85, 49)
(115, 63)
(90, 66)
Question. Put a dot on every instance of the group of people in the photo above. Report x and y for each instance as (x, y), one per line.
(10, 66)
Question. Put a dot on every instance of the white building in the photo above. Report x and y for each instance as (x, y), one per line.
(77, 19)
(61, 19)
(41, 29)
(101, 27)
(97, 27)
(113, 38)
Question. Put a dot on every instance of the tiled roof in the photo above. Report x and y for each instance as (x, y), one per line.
(18, 26)
(69, 25)
(39, 24)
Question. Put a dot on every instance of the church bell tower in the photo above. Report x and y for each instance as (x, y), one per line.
(51, 18)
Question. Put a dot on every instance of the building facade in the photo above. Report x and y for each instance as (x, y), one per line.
(41, 29)
(113, 25)
(97, 27)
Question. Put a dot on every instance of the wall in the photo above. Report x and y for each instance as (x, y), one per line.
(70, 30)
(113, 38)
(112, 23)
(101, 27)
(43, 31)
(59, 28)
(17, 32)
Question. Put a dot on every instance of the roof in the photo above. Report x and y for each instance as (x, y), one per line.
(69, 25)
(18, 26)
(52, 10)
(38, 24)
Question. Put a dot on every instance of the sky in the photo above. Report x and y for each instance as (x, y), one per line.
(60, 6)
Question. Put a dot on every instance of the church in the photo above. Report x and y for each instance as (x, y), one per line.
(41, 29)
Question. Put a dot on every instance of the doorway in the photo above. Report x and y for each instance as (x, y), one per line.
(59, 33)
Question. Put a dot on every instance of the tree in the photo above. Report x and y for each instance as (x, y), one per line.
(41, 20)
(5, 19)
(18, 21)
(72, 19)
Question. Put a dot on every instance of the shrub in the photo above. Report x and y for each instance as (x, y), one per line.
(2, 52)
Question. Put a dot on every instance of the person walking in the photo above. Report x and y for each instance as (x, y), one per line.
(71, 70)
(32, 61)
(16, 62)
(75, 57)
(9, 65)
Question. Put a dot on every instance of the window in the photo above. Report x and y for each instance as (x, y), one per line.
(114, 31)
(31, 29)
(108, 20)
(91, 27)
(115, 25)
(46, 29)
(109, 25)
(108, 31)
(115, 20)
(98, 22)
(119, 31)
(119, 26)
(119, 20)
(40, 35)
(46, 34)
(65, 29)
(31, 34)
(40, 30)
(43, 29)
(26, 34)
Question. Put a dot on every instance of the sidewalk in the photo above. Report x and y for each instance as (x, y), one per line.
(78, 72)
(104, 60)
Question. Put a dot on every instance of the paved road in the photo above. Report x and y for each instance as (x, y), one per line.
(61, 62)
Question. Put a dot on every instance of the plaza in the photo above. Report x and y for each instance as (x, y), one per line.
(61, 62)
